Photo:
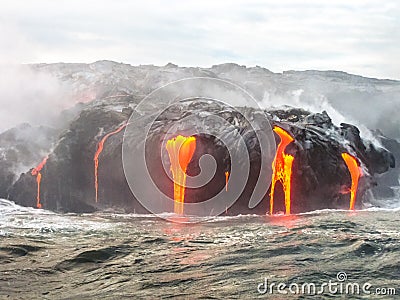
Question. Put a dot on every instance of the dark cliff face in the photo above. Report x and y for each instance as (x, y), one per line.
(67, 177)
(320, 178)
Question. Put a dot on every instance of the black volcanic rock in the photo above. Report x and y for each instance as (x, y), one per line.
(320, 177)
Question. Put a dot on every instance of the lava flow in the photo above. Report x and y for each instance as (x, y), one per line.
(282, 169)
(100, 147)
(355, 173)
(226, 180)
(36, 172)
(180, 150)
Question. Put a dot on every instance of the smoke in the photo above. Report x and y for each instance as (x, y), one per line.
(295, 98)
(27, 95)
(316, 103)
(365, 102)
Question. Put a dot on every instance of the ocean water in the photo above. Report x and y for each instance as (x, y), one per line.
(45, 255)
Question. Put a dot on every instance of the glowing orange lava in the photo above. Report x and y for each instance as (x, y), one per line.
(100, 147)
(355, 173)
(226, 180)
(282, 169)
(36, 172)
(180, 150)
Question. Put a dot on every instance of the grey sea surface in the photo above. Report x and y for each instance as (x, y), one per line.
(45, 255)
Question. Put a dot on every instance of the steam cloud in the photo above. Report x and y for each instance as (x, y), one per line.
(27, 95)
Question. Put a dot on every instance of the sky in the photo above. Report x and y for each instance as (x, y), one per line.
(357, 36)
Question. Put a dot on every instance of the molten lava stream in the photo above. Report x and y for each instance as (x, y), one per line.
(226, 180)
(100, 147)
(36, 172)
(282, 169)
(355, 173)
(180, 151)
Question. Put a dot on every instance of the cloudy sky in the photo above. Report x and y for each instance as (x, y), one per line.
(357, 36)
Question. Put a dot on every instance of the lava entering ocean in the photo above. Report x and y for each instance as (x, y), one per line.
(100, 147)
(226, 180)
(282, 169)
(180, 150)
(36, 172)
(355, 173)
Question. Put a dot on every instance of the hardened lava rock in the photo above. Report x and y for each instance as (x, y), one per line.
(320, 178)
